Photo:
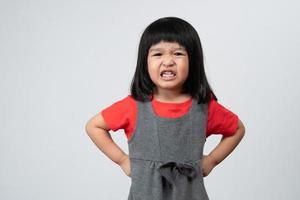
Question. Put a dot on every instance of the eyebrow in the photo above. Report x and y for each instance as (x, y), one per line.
(157, 49)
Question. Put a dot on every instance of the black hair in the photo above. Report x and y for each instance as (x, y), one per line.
(172, 29)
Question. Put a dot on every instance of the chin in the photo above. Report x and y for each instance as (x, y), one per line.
(168, 86)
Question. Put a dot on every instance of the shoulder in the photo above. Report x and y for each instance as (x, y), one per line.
(124, 104)
(215, 106)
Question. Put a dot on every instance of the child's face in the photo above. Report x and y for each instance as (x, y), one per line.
(168, 56)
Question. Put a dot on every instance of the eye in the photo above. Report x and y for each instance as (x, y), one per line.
(179, 53)
(157, 54)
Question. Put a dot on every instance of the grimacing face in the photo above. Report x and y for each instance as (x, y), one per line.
(168, 65)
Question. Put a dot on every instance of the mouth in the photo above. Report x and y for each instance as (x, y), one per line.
(168, 73)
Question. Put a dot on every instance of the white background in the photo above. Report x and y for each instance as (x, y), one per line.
(64, 61)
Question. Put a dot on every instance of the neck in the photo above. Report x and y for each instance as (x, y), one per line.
(165, 95)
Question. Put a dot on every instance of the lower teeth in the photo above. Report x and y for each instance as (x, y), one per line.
(168, 75)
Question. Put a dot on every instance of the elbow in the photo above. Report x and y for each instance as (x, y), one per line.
(88, 128)
(241, 128)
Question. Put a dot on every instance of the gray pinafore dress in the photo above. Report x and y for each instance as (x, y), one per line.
(166, 155)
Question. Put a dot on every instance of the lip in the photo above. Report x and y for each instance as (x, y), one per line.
(170, 78)
(167, 70)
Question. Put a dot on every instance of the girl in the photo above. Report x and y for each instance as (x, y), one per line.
(167, 117)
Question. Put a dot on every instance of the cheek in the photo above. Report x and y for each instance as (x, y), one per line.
(153, 73)
(153, 69)
(184, 70)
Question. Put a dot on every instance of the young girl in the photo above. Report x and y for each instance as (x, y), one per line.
(167, 117)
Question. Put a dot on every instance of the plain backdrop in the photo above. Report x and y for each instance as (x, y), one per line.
(62, 62)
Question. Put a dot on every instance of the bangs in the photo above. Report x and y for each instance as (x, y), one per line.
(156, 37)
(168, 31)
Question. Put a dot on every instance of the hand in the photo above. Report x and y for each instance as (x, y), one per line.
(207, 165)
(125, 165)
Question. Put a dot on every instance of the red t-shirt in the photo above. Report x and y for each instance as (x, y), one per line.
(122, 115)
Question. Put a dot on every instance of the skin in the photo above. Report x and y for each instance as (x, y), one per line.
(163, 55)
(172, 56)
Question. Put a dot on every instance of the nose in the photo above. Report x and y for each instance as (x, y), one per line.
(168, 61)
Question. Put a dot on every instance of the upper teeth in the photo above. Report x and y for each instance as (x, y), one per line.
(168, 72)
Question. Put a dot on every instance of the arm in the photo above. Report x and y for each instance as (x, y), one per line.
(97, 130)
(223, 149)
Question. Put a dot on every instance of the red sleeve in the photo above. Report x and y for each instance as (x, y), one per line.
(116, 115)
(220, 120)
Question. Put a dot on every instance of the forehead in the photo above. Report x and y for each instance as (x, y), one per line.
(166, 45)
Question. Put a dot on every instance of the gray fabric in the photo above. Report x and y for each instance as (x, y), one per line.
(166, 155)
